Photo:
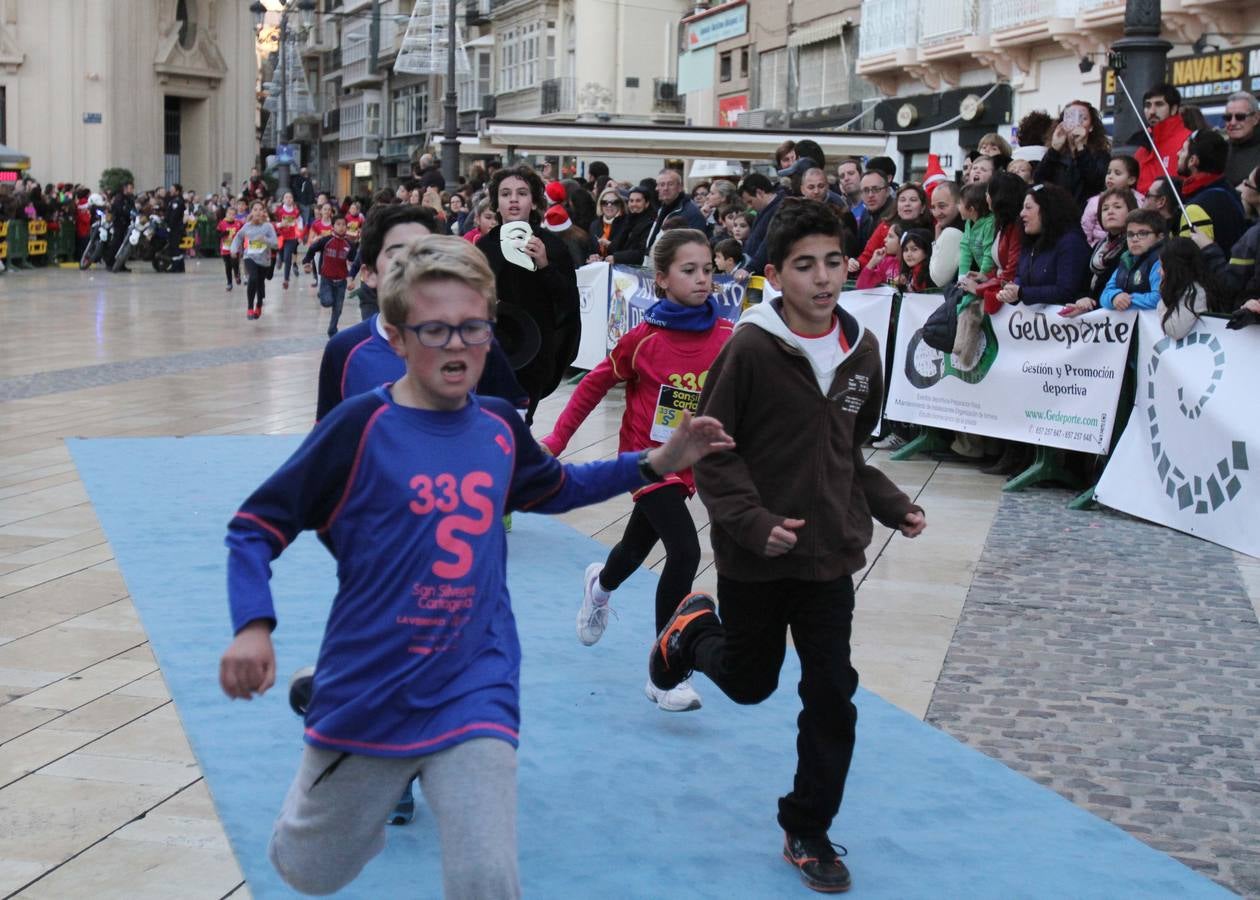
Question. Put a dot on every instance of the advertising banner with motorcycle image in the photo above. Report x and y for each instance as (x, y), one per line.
(1032, 375)
(1184, 459)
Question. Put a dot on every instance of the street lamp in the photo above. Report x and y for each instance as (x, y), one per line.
(450, 130)
(284, 153)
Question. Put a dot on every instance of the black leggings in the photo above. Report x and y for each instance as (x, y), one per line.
(232, 267)
(257, 287)
(660, 514)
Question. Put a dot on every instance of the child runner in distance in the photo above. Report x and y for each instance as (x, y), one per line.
(289, 227)
(255, 243)
(322, 225)
(406, 486)
(354, 223)
(228, 226)
(663, 363)
(335, 251)
(799, 387)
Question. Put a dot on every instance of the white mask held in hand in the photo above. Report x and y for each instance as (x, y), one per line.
(512, 239)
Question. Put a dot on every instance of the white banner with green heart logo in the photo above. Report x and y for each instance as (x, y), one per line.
(1186, 458)
(1031, 376)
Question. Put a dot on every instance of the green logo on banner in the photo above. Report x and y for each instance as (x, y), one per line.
(925, 365)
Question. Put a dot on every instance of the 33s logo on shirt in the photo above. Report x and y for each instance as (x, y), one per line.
(445, 494)
(690, 381)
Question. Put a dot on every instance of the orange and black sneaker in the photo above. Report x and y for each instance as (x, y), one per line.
(666, 665)
(818, 861)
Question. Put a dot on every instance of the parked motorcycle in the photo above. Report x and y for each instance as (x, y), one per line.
(99, 236)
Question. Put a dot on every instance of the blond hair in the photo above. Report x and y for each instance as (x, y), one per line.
(433, 258)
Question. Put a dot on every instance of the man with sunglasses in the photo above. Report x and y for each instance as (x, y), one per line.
(1242, 114)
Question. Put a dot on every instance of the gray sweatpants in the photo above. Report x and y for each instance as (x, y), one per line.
(333, 820)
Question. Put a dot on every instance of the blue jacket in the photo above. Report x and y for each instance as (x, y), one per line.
(755, 246)
(1138, 277)
(420, 651)
(1057, 275)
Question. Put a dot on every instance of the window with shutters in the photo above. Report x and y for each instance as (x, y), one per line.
(772, 79)
(821, 78)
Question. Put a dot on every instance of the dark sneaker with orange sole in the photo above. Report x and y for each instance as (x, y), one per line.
(818, 861)
(666, 666)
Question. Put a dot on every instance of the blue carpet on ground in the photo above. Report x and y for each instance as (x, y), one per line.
(617, 799)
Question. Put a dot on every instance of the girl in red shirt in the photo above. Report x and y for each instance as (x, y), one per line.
(354, 223)
(663, 363)
(320, 227)
(288, 220)
(228, 226)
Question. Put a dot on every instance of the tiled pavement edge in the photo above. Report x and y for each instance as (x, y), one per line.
(1117, 663)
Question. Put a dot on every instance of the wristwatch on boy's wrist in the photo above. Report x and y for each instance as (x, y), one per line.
(649, 474)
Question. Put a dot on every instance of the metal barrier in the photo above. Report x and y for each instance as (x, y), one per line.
(16, 257)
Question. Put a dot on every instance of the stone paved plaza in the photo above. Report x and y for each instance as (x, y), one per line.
(1116, 662)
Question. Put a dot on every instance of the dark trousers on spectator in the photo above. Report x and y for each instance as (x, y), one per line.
(744, 653)
(332, 294)
(658, 515)
(256, 288)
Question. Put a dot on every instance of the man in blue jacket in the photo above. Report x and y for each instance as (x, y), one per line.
(673, 202)
(761, 194)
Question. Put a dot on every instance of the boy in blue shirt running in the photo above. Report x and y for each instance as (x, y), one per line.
(419, 668)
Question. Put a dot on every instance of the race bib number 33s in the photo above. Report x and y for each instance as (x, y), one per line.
(670, 406)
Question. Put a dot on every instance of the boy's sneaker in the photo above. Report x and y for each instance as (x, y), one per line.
(892, 442)
(666, 666)
(592, 618)
(683, 698)
(818, 861)
(405, 811)
(286, 285)
(301, 686)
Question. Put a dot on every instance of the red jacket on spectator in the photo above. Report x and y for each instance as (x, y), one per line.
(1169, 135)
(1008, 248)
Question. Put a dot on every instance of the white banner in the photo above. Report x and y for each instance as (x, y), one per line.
(592, 281)
(1184, 458)
(1038, 378)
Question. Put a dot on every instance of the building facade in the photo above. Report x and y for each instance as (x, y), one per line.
(165, 88)
(762, 64)
(961, 68)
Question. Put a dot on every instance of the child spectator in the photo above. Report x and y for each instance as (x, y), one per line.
(1182, 298)
(1122, 172)
(334, 251)
(993, 144)
(484, 223)
(741, 225)
(1135, 282)
(448, 685)
(975, 253)
(916, 257)
(727, 255)
(663, 363)
(885, 262)
(776, 569)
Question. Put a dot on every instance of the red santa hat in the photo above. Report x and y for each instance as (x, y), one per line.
(556, 219)
(555, 192)
(934, 175)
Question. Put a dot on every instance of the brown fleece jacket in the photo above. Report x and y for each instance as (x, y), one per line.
(798, 455)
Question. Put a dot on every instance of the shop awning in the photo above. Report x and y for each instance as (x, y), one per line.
(668, 142)
(12, 159)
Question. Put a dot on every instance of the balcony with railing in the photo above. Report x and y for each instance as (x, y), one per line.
(360, 127)
(887, 26)
(332, 122)
(477, 12)
(559, 96)
(944, 21)
(357, 64)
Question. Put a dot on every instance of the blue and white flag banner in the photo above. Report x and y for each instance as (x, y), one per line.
(1187, 457)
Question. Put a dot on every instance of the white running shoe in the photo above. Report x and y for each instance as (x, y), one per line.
(592, 618)
(892, 442)
(682, 698)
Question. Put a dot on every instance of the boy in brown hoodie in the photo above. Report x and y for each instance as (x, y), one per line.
(798, 386)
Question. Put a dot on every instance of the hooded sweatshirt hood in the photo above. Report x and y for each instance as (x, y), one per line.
(824, 356)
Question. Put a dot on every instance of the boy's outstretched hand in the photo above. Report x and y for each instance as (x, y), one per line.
(913, 524)
(694, 439)
(248, 666)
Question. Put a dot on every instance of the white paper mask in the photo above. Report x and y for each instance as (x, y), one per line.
(512, 239)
